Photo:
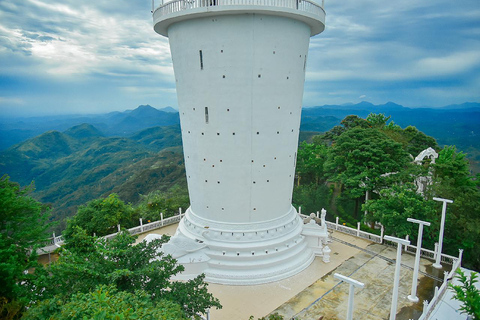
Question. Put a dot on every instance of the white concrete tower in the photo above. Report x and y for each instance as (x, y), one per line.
(239, 70)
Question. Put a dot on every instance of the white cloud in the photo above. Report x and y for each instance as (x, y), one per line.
(11, 101)
(452, 64)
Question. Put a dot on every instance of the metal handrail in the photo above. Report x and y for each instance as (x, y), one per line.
(307, 6)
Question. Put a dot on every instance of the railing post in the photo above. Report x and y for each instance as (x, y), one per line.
(141, 225)
(118, 227)
(381, 234)
(318, 214)
(358, 229)
(161, 217)
(436, 251)
(336, 223)
(54, 240)
(180, 212)
(425, 306)
(407, 237)
(460, 255)
(299, 209)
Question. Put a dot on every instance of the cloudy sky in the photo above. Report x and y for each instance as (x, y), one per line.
(59, 57)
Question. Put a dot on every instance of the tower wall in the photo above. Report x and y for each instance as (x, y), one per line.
(239, 71)
(240, 105)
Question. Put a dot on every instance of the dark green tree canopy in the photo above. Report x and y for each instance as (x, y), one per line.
(23, 225)
(101, 216)
(86, 262)
(360, 158)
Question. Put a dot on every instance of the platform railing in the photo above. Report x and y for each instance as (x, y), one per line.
(412, 249)
(181, 5)
(142, 228)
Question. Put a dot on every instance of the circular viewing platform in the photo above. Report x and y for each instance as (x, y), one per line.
(174, 11)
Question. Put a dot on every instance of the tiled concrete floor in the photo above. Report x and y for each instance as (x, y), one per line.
(314, 292)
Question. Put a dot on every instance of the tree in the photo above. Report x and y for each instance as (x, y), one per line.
(23, 225)
(167, 203)
(467, 293)
(452, 180)
(310, 160)
(105, 302)
(86, 262)
(101, 216)
(377, 121)
(364, 160)
(395, 205)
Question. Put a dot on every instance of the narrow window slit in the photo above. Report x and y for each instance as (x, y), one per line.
(201, 60)
(206, 115)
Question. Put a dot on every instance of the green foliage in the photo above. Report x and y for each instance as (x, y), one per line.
(467, 293)
(273, 316)
(86, 262)
(312, 197)
(452, 168)
(105, 303)
(167, 203)
(360, 158)
(22, 229)
(395, 205)
(377, 121)
(452, 180)
(310, 160)
(101, 216)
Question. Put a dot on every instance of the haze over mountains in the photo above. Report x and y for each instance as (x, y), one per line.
(15, 130)
(74, 159)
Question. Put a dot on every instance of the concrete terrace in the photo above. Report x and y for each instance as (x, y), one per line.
(314, 293)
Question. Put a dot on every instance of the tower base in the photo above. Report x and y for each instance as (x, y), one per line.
(242, 254)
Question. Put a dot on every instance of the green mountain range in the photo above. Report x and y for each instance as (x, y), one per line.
(80, 164)
(80, 158)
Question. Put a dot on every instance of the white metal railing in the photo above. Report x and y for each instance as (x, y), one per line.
(424, 253)
(428, 307)
(307, 6)
(58, 241)
(355, 232)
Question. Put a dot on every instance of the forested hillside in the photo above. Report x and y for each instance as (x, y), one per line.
(364, 170)
(75, 166)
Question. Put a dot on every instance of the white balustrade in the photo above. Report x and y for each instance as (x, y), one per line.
(181, 5)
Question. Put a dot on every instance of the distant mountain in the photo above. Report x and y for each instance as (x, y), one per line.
(169, 109)
(80, 164)
(138, 151)
(84, 131)
(125, 123)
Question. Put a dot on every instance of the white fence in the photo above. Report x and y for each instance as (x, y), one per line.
(428, 307)
(52, 243)
(180, 5)
(424, 253)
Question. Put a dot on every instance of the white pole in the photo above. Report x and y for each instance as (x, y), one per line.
(437, 263)
(400, 242)
(413, 295)
(353, 283)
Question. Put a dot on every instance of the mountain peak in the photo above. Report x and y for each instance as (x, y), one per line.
(83, 130)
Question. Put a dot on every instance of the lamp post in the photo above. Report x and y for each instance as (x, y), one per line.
(400, 242)
(353, 283)
(437, 263)
(413, 295)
